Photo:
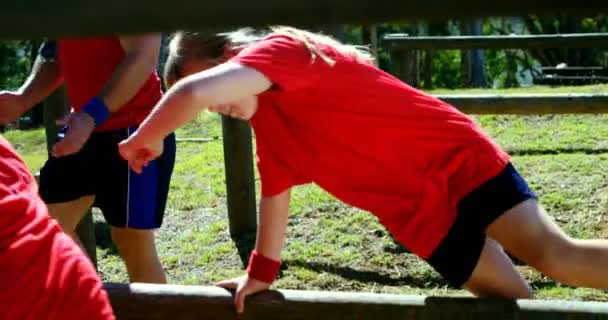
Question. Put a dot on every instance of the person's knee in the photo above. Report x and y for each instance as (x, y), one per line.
(487, 289)
(118, 235)
(134, 245)
(495, 276)
(137, 249)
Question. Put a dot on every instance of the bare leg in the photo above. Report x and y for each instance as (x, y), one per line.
(496, 276)
(531, 235)
(68, 214)
(138, 251)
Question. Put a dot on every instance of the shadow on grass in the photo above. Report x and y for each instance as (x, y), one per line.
(407, 280)
(540, 152)
(369, 276)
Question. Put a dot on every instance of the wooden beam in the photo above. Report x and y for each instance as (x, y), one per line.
(240, 186)
(39, 18)
(149, 301)
(526, 104)
(574, 40)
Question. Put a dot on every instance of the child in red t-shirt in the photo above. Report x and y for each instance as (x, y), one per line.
(323, 113)
(43, 272)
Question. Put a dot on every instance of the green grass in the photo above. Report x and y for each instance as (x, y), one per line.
(31, 146)
(598, 88)
(331, 246)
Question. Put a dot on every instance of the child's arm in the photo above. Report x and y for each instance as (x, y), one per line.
(272, 224)
(271, 234)
(223, 84)
(44, 78)
(139, 62)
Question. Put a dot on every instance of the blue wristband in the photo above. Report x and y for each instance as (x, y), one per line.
(97, 109)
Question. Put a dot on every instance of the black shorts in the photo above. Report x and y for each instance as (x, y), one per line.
(127, 199)
(458, 253)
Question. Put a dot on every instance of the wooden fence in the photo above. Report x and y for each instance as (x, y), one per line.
(403, 48)
(149, 302)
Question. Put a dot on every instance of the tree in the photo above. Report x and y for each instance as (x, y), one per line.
(567, 24)
(473, 70)
(15, 63)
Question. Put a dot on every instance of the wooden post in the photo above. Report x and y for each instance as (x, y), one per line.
(369, 37)
(426, 59)
(427, 69)
(373, 30)
(240, 187)
(411, 67)
(465, 58)
(153, 301)
(404, 61)
(404, 65)
(56, 107)
(398, 60)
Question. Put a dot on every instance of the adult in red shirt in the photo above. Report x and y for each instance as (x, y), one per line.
(323, 113)
(112, 85)
(43, 273)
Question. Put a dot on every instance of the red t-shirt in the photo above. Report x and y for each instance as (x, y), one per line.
(43, 273)
(367, 138)
(88, 63)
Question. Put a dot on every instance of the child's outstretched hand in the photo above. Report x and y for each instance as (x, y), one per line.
(138, 152)
(244, 286)
(79, 127)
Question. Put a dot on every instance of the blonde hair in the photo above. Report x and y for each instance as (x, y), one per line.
(312, 40)
(210, 46)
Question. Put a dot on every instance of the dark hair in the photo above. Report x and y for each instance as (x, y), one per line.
(185, 45)
(210, 47)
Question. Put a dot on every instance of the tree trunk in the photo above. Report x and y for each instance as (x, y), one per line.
(563, 24)
(479, 78)
(473, 71)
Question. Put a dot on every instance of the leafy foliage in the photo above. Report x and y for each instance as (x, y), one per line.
(15, 62)
(504, 68)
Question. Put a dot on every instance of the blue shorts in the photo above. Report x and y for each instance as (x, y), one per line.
(458, 253)
(127, 199)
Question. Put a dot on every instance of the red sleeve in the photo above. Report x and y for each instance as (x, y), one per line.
(61, 283)
(285, 61)
(17, 185)
(275, 177)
